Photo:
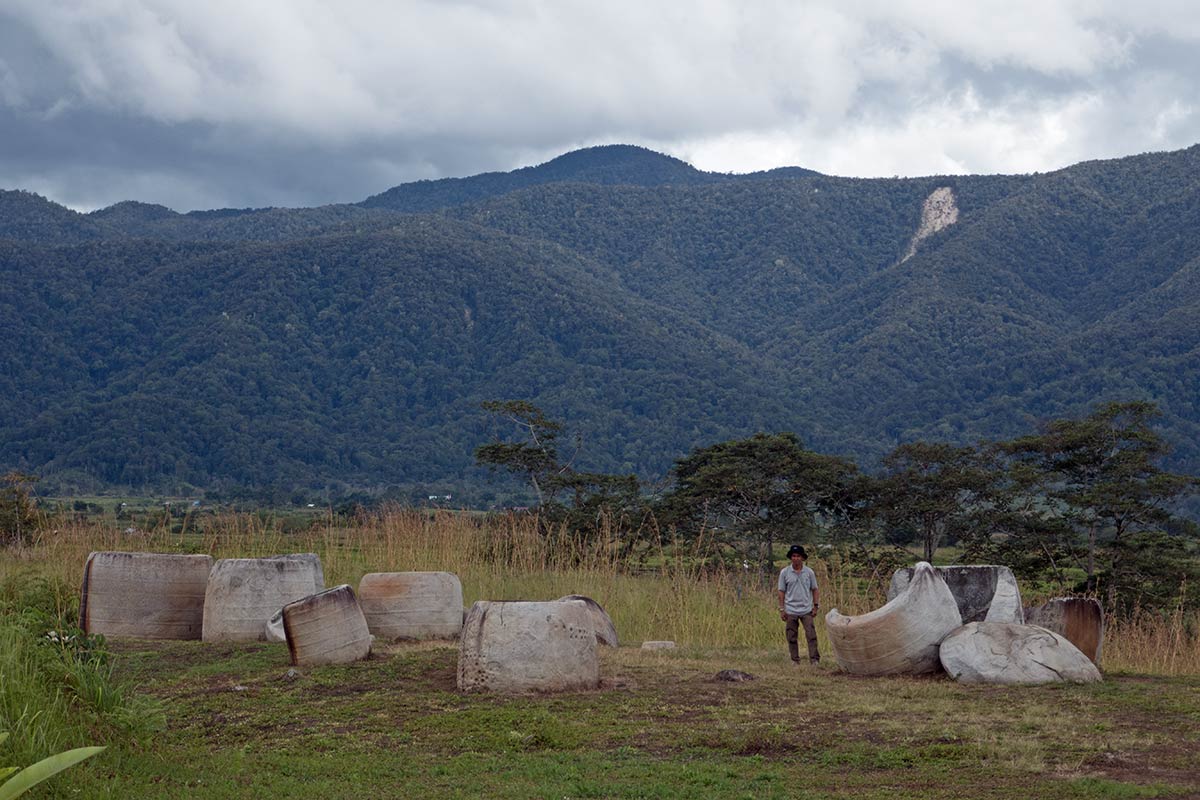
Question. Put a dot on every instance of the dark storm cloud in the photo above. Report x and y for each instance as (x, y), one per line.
(300, 103)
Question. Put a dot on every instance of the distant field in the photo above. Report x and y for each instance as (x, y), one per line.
(188, 719)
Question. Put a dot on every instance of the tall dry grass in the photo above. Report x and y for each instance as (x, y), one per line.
(653, 592)
(1153, 642)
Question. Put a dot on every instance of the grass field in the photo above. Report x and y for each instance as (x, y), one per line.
(234, 725)
(190, 719)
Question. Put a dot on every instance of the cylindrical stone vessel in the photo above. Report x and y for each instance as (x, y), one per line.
(243, 593)
(1079, 620)
(983, 592)
(520, 647)
(146, 595)
(326, 628)
(412, 605)
(900, 637)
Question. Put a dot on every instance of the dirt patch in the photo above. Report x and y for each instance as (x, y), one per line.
(1155, 765)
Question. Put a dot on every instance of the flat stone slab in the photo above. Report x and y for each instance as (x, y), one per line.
(326, 628)
(602, 624)
(412, 605)
(243, 593)
(658, 645)
(522, 647)
(902, 636)
(1079, 620)
(1011, 654)
(144, 595)
(983, 592)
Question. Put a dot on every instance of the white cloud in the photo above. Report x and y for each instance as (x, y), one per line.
(423, 88)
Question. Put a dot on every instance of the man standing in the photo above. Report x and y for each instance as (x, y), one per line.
(798, 602)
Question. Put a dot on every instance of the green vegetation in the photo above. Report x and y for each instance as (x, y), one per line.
(595, 500)
(225, 720)
(652, 308)
(661, 728)
(1106, 501)
(1082, 504)
(58, 688)
(746, 496)
(18, 511)
(15, 782)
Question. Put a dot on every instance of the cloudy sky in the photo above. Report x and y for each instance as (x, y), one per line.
(304, 102)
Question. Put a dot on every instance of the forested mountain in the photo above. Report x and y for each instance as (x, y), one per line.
(608, 165)
(651, 306)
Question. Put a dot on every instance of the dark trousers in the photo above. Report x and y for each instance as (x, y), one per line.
(810, 633)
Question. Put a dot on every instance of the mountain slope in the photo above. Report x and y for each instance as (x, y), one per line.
(652, 306)
(354, 357)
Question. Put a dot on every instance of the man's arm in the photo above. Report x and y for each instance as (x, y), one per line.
(782, 612)
(816, 593)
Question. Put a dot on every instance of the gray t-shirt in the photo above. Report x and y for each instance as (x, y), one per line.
(797, 588)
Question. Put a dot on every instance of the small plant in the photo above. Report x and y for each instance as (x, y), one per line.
(24, 779)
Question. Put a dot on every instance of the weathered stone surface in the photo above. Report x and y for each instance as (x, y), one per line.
(519, 647)
(326, 628)
(602, 624)
(982, 591)
(734, 676)
(412, 605)
(1079, 620)
(275, 631)
(658, 645)
(243, 593)
(148, 595)
(1007, 653)
(903, 635)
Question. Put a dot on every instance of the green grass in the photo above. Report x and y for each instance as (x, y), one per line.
(395, 726)
(190, 719)
(57, 687)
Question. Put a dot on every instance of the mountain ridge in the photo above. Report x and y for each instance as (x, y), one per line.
(653, 307)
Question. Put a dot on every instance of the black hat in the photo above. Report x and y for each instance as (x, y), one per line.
(797, 550)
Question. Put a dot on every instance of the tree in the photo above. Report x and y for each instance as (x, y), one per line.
(1021, 534)
(18, 509)
(750, 492)
(594, 497)
(535, 456)
(936, 490)
(1149, 569)
(1099, 480)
